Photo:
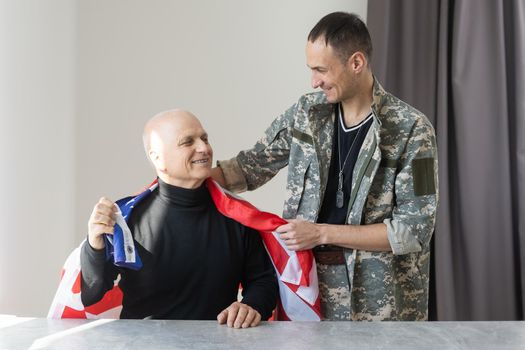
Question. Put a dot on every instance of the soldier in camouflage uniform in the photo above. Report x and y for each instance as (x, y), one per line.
(384, 239)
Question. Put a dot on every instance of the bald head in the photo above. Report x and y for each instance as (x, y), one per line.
(163, 126)
(177, 146)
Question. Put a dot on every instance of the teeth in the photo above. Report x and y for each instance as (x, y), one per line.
(200, 161)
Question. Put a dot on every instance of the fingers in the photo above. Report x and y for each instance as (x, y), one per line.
(295, 247)
(284, 228)
(107, 202)
(221, 318)
(104, 212)
(239, 315)
(287, 233)
(256, 320)
(289, 230)
(299, 234)
(232, 314)
(290, 226)
(101, 221)
(252, 319)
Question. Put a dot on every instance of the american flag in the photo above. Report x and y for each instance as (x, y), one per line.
(296, 271)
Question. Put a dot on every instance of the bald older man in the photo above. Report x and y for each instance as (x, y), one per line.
(193, 257)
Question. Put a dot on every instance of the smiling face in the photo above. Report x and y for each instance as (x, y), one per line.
(178, 147)
(337, 79)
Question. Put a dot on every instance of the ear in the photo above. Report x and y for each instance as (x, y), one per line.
(157, 160)
(357, 62)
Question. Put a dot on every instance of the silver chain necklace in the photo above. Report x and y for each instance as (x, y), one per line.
(339, 198)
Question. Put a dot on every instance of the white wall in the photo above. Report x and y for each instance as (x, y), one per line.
(37, 117)
(235, 64)
(84, 76)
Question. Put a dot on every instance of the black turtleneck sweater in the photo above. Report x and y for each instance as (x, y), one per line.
(194, 259)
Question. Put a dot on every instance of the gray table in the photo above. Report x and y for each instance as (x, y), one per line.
(153, 334)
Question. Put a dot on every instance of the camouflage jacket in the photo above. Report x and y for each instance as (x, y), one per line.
(394, 182)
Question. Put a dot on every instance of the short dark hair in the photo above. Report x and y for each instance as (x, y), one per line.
(345, 32)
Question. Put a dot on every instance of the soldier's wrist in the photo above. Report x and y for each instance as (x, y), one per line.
(323, 234)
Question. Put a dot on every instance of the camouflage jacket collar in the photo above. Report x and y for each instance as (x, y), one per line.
(324, 109)
(379, 95)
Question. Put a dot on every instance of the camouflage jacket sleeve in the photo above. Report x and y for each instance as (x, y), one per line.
(412, 223)
(254, 167)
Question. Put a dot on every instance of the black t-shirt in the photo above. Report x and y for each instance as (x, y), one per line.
(351, 139)
(193, 261)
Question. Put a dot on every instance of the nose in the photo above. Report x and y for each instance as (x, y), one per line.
(203, 147)
(316, 82)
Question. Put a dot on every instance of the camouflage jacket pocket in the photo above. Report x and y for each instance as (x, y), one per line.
(296, 187)
(381, 198)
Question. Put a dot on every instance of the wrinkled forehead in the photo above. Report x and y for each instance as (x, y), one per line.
(187, 127)
(175, 128)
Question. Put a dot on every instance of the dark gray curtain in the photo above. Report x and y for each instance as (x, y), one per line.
(462, 63)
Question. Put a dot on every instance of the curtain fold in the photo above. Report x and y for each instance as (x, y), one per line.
(461, 63)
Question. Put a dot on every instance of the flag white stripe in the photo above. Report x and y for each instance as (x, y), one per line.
(296, 309)
(63, 295)
(129, 246)
(310, 293)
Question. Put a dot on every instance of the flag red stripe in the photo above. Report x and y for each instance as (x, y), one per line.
(250, 216)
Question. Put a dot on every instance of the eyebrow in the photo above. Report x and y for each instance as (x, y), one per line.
(186, 138)
(316, 67)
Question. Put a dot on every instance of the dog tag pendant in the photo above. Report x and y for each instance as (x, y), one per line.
(339, 196)
(339, 199)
